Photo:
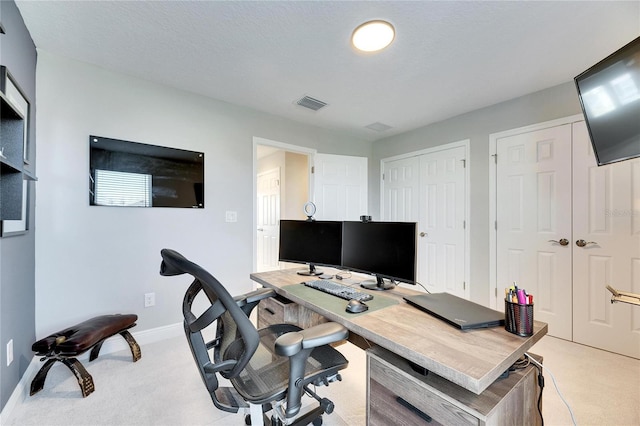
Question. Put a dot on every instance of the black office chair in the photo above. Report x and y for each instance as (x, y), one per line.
(269, 368)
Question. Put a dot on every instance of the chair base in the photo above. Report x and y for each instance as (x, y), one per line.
(313, 416)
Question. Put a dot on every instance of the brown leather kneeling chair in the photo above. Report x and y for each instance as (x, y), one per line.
(66, 345)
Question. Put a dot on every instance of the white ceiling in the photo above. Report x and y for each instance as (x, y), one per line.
(448, 58)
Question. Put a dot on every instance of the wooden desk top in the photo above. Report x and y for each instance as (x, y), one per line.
(472, 359)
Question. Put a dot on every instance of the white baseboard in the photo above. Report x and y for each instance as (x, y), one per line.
(113, 344)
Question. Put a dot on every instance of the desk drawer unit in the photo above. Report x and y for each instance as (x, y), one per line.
(277, 310)
(398, 395)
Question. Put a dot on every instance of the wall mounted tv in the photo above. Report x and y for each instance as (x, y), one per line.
(609, 94)
(132, 174)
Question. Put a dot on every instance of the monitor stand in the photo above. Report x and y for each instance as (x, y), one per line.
(311, 272)
(378, 284)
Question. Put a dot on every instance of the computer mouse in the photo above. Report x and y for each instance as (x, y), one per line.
(355, 306)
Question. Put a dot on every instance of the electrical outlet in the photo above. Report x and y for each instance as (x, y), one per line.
(149, 300)
(9, 352)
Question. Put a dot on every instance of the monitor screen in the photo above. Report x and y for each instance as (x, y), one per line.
(609, 95)
(313, 242)
(384, 249)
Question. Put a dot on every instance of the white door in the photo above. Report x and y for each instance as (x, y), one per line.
(340, 187)
(606, 206)
(268, 190)
(441, 225)
(401, 190)
(430, 189)
(533, 199)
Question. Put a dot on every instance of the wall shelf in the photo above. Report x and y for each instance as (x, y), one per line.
(12, 171)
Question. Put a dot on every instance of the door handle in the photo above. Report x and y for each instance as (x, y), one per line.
(562, 242)
(423, 234)
(583, 243)
(260, 229)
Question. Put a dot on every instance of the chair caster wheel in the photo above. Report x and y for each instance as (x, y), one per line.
(327, 405)
(247, 419)
(317, 421)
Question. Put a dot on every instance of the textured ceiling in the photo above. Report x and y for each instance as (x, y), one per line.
(448, 57)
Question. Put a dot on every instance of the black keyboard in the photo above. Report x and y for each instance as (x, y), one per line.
(339, 290)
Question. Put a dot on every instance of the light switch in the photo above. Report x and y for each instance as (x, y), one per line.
(231, 216)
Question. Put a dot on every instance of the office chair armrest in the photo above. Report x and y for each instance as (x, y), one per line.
(291, 343)
(255, 296)
(248, 301)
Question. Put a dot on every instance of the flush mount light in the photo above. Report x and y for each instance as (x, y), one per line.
(373, 36)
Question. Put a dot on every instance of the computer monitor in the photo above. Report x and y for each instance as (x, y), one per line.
(314, 242)
(384, 249)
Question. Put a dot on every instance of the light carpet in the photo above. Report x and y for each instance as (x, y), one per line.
(164, 388)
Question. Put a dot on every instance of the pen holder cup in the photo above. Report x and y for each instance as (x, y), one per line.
(518, 319)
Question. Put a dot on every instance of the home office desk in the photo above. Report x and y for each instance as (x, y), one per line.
(465, 365)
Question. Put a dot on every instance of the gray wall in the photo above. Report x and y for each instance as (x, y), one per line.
(94, 260)
(17, 260)
(549, 104)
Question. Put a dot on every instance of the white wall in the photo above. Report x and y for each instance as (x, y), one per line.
(93, 260)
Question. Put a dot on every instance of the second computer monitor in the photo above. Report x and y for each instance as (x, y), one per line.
(316, 242)
(384, 249)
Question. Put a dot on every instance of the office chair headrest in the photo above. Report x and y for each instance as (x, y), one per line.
(170, 261)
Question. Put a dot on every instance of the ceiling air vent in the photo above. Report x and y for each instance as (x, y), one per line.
(311, 103)
(378, 126)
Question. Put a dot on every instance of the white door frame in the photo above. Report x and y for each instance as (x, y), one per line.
(467, 213)
(493, 245)
(310, 152)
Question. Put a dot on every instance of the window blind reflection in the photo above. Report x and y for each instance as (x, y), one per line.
(122, 189)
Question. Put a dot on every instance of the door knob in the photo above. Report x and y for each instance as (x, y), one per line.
(260, 229)
(562, 242)
(583, 243)
(423, 234)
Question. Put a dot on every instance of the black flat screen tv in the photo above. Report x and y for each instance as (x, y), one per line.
(609, 94)
(132, 174)
(313, 242)
(383, 249)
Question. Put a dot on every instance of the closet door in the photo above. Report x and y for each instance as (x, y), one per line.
(441, 240)
(606, 249)
(430, 189)
(533, 226)
(401, 190)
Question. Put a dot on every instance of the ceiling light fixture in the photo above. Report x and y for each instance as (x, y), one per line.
(373, 36)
